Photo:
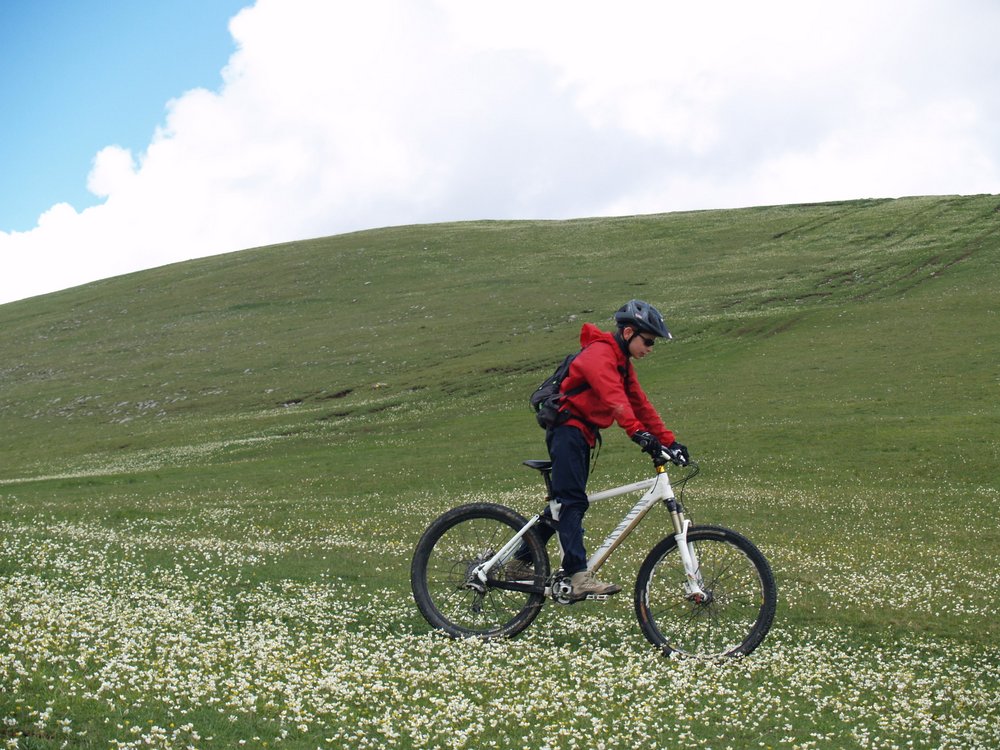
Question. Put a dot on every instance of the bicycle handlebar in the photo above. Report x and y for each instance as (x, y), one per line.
(665, 458)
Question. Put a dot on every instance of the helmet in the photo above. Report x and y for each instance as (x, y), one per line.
(643, 316)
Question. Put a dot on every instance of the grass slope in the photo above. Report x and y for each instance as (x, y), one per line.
(217, 470)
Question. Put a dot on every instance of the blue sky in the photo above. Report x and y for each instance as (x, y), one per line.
(137, 133)
(77, 75)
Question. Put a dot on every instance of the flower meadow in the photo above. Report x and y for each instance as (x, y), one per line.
(243, 619)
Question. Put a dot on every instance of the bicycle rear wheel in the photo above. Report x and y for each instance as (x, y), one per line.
(443, 562)
(735, 615)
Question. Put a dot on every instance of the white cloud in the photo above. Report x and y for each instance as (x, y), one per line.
(113, 171)
(337, 116)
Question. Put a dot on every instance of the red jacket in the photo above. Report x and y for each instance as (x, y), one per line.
(614, 394)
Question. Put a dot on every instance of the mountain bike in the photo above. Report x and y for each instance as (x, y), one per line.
(480, 570)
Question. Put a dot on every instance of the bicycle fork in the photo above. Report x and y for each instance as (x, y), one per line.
(693, 586)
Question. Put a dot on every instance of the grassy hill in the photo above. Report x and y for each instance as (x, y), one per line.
(868, 312)
(279, 424)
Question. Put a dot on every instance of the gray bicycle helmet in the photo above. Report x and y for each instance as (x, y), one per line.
(642, 316)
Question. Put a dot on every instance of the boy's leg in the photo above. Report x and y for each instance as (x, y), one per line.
(570, 456)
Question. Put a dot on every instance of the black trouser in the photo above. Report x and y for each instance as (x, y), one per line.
(570, 454)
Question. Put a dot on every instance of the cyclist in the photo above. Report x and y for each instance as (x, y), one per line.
(602, 388)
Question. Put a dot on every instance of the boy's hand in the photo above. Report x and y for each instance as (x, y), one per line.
(648, 442)
(678, 454)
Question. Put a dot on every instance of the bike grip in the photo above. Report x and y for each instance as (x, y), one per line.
(667, 456)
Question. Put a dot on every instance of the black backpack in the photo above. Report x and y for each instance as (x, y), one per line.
(547, 401)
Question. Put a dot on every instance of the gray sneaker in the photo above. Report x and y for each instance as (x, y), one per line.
(519, 570)
(584, 585)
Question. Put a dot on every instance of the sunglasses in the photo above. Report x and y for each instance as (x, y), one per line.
(647, 342)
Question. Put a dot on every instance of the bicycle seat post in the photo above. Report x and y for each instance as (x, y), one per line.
(545, 467)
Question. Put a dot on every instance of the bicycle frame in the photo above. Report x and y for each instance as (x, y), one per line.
(657, 489)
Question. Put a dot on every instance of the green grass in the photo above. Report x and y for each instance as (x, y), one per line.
(213, 475)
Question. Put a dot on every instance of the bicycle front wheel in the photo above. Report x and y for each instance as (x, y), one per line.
(441, 576)
(735, 611)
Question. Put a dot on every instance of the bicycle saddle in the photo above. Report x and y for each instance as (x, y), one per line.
(540, 465)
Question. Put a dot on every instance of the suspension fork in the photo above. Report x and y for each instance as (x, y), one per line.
(689, 556)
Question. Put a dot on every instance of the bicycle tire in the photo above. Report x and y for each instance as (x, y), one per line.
(446, 554)
(741, 604)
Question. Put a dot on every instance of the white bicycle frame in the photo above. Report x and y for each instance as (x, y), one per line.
(657, 489)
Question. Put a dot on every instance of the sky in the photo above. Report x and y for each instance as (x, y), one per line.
(139, 133)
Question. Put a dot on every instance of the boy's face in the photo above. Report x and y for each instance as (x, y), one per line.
(640, 344)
